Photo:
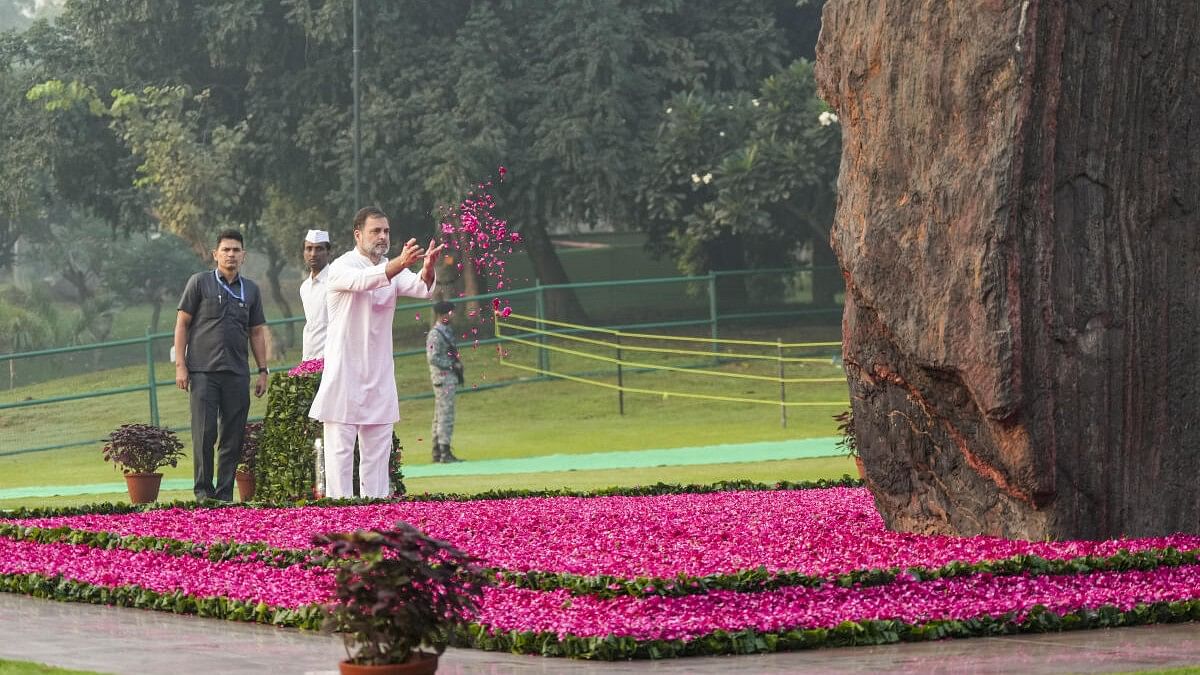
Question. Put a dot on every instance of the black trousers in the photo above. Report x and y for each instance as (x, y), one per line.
(218, 400)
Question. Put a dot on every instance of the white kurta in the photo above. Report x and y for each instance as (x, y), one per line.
(358, 385)
(316, 318)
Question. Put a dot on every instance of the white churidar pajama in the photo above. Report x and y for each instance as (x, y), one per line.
(358, 385)
(339, 459)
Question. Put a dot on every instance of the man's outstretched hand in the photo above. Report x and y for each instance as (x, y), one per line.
(431, 256)
(410, 253)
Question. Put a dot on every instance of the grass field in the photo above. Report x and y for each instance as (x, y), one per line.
(524, 418)
(8, 667)
(701, 474)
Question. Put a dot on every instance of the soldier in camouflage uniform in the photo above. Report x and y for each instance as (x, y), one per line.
(446, 373)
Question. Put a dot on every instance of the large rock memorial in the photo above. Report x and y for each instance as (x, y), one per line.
(1019, 234)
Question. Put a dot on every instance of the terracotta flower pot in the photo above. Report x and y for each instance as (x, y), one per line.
(862, 472)
(143, 487)
(245, 485)
(421, 663)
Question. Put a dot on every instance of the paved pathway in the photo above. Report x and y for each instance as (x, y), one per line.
(141, 642)
(804, 448)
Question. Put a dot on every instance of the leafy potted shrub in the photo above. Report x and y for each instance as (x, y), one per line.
(398, 590)
(247, 461)
(848, 441)
(139, 450)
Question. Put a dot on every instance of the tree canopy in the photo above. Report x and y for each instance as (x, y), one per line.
(188, 116)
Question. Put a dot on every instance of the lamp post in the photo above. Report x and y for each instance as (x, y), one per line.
(357, 125)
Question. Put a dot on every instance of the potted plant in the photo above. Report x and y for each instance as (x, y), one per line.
(139, 450)
(848, 441)
(398, 590)
(247, 461)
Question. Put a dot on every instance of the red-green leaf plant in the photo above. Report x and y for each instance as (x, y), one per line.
(142, 448)
(398, 590)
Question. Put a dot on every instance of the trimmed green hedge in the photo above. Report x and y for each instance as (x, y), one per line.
(286, 465)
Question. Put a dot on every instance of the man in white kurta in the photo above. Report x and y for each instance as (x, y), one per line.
(357, 396)
(312, 293)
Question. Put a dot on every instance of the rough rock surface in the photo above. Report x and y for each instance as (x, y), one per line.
(1019, 233)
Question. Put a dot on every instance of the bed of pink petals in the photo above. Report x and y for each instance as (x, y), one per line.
(661, 618)
(816, 532)
(163, 573)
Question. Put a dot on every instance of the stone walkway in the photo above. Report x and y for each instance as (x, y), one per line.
(139, 642)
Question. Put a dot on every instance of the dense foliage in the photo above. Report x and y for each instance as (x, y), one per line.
(286, 459)
(399, 590)
(248, 460)
(189, 117)
(142, 448)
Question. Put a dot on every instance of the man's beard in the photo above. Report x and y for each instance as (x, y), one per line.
(374, 250)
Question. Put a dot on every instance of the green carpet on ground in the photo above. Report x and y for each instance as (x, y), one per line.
(712, 454)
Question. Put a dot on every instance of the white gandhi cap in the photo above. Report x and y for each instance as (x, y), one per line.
(317, 237)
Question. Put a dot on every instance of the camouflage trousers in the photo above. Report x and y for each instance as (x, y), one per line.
(443, 410)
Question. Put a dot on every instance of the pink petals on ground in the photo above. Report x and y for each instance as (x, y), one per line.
(813, 532)
(251, 582)
(689, 617)
(823, 533)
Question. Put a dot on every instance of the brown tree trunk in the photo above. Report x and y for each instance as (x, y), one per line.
(155, 313)
(561, 303)
(1018, 229)
(276, 264)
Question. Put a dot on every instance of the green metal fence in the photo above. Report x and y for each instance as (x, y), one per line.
(107, 375)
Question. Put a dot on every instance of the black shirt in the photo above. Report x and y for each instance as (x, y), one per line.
(222, 316)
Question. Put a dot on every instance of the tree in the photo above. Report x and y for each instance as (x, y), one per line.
(1017, 225)
(149, 269)
(25, 183)
(565, 95)
(744, 182)
(21, 330)
(197, 161)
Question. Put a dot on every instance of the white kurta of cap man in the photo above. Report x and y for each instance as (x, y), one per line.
(316, 317)
(358, 385)
(312, 296)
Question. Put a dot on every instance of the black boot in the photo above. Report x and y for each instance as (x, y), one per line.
(447, 457)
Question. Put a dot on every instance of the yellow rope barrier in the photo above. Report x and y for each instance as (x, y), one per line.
(648, 336)
(663, 350)
(668, 394)
(608, 359)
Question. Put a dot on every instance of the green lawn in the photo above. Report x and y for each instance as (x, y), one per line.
(8, 667)
(524, 419)
(763, 472)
